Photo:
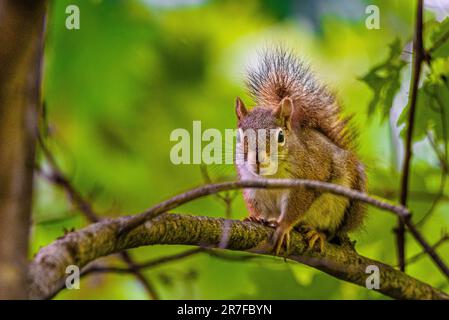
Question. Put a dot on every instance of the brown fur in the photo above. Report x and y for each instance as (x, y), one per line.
(318, 145)
(281, 74)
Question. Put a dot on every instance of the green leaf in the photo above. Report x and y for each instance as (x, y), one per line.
(438, 39)
(385, 80)
(432, 106)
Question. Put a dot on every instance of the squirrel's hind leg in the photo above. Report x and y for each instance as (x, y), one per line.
(313, 236)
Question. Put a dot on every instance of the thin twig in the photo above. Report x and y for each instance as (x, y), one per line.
(416, 72)
(443, 176)
(212, 189)
(392, 194)
(149, 264)
(133, 267)
(427, 248)
(58, 178)
(435, 246)
(226, 199)
(442, 157)
(400, 211)
(436, 200)
(166, 259)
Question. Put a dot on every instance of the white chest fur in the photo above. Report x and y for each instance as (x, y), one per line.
(270, 203)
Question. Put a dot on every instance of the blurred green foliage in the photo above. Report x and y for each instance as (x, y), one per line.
(385, 80)
(136, 70)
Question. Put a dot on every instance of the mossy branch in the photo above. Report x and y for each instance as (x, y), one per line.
(47, 270)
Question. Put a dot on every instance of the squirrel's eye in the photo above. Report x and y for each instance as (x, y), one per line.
(281, 137)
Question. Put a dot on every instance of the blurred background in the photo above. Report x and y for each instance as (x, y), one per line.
(136, 70)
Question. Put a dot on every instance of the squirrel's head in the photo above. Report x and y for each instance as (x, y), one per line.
(265, 135)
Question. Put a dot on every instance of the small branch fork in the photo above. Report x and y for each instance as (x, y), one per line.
(444, 239)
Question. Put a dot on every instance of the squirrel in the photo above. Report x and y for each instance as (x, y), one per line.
(314, 141)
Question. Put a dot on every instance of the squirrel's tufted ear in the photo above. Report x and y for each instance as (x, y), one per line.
(240, 109)
(284, 110)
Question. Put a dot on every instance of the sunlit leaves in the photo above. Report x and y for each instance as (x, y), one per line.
(432, 107)
(385, 80)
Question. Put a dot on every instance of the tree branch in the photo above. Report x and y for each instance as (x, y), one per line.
(214, 188)
(149, 264)
(159, 261)
(444, 238)
(418, 58)
(47, 270)
(205, 190)
(424, 196)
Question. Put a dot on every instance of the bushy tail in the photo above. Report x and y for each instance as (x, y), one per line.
(279, 74)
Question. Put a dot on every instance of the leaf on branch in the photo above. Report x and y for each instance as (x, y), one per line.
(385, 80)
(432, 109)
(437, 39)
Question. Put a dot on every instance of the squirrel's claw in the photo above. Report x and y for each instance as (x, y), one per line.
(254, 219)
(313, 236)
(272, 223)
(281, 237)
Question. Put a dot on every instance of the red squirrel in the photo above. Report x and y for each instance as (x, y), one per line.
(313, 142)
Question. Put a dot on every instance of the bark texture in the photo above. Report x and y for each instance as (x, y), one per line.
(21, 25)
(47, 270)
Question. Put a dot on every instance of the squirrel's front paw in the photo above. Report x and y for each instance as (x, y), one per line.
(281, 237)
(254, 219)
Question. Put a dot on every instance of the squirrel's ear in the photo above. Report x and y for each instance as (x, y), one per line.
(240, 109)
(284, 111)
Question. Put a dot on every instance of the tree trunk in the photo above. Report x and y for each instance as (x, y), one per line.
(21, 31)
